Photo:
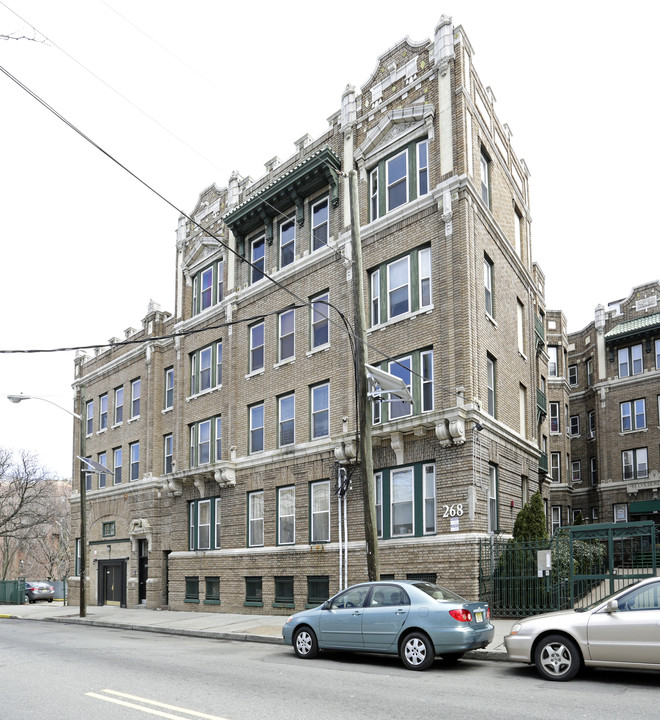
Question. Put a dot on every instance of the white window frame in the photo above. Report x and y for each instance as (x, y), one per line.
(203, 524)
(290, 244)
(320, 227)
(119, 405)
(591, 422)
(405, 260)
(136, 391)
(117, 468)
(424, 272)
(218, 438)
(555, 518)
(103, 411)
(134, 456)
(485, 177)
(168, 453)
(657, 354)
(286, 335)
(257, 347)
(218, 523)
(574, 425)
(286, 513)
(375, 297)
(555, 467)
(429, 499)
(258, 269)
(427, 383)
(637, 460)
(620, 512)
(169, 389)
(401, 368)
(374, 194)
(378, 501)
(422, 169)
(576, 471)
(89, 418)
(520, 315)
(319, 497)
(573, 375)
(256, 430)
(490, 386)
(488, 286)
(256, 519)
(553, 361)
(286, 420)
(397, 182)
(319, 319)
(320, 409)
(402, 502)
(555, 419)
(102, 460)
(493, 509)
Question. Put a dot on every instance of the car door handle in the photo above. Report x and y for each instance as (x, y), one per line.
(399, 612)
(357, 613)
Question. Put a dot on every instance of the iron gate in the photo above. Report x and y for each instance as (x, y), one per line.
(588, 562)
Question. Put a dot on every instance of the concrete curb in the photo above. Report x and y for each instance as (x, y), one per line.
(242, 637)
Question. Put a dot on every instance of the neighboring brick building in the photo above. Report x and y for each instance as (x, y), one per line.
(604, 385)
(237, 411)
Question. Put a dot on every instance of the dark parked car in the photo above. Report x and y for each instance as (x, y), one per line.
(38, 591)
(413, 619)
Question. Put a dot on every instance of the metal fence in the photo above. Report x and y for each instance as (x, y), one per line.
(12, 592)
(583, 564)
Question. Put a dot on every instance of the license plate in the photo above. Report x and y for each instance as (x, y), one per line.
(479, 617)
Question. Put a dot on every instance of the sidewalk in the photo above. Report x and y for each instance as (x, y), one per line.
(219, 626)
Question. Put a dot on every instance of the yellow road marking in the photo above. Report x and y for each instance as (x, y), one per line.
(148, 710)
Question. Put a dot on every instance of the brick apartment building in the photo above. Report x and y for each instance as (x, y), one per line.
(227, 422)
(604, 413)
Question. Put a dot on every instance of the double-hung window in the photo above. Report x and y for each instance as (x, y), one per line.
(103, 411)
(287, 419)
(635, 464)
(134, 451)
(633, 415)
(373, 194)
(320, 224)
(575, 425)
(399, 287)
(256, 414)
(286, 516)
(555, 426)
(657, 354)
(257, 340)
(423, 167)
(490, 384)
(402, 369)
(630, 361)
(89, 421)
(204, 524)
(205, 368)
(576, 471)
(169, 389)
(488, 285)
(319, 499)
(493, 504)
(286, 332)
(256, 519)
(320, 410)
(257, 258)
(119, 405)
(208, 287)
(406, 501)
(591, 419)
(320, 330)
(572, 375)
(117, 463)
(485, 178)
(555, 466)
(287, 242)
(205, 441)
(397, 180)
(168, 453)
(135, 398)
(416, 372)
(103, 460)
(553, 362)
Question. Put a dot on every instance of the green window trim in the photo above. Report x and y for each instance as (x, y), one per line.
(214, 438)
(421, 363)
(214, 524)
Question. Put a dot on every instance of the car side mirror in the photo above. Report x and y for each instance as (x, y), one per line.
(612, 606)
(326, 605)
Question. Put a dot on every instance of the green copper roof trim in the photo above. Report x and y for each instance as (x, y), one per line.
(633, 327)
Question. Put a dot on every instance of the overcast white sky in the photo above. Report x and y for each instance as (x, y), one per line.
(185, 93)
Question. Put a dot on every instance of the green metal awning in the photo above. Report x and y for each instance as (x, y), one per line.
(644, 507)
(634, 327)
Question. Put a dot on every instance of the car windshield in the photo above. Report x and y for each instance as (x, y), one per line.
(602, 600)
(439, 593)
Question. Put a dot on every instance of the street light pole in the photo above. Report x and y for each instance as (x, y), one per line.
(83, 495)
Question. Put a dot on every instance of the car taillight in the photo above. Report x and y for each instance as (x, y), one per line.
(487, 613)
(462, 615)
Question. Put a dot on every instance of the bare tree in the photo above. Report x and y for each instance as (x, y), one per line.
(32, 513)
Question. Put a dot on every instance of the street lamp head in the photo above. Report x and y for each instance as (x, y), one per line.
(18, 398)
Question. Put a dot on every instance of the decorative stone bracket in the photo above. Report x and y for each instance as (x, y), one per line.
(346, 452)
(451, 431)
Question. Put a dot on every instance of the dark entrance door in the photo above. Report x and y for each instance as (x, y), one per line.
(112, 582)
(143, 570)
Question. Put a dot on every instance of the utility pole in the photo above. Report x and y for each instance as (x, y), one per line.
(364, 414)
(83, 510)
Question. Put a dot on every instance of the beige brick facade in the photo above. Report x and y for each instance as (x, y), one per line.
(244, 516)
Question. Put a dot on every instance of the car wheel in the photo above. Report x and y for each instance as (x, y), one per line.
(417, 651)
(557, 658)
(50, 599)
(452, 657)
(305, 644)
(27, 599)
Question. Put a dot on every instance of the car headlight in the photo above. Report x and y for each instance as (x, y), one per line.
(289, 620)
(515, 629)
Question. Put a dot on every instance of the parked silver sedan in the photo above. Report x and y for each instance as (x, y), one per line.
(621, 631)
(413, 619)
